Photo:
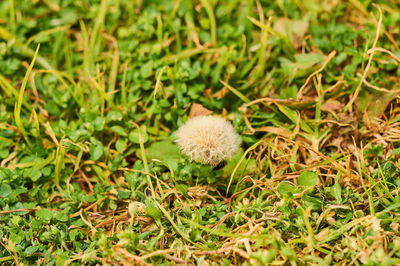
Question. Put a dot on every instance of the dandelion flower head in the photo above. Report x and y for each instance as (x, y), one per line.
(208, 139)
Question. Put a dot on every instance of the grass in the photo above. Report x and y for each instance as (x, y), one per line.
(91, 95)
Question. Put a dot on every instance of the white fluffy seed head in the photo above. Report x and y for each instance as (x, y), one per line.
(208, 139)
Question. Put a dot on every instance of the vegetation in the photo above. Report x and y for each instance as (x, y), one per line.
(92, 92)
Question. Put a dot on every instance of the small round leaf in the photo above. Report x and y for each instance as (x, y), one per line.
(308, 179)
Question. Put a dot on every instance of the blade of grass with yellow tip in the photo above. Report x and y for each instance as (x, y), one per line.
(18, 105)
(158, 81)
(59, 161)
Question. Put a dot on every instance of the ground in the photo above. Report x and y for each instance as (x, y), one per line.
(92, 92)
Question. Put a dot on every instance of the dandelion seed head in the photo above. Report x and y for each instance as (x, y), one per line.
(208, 139)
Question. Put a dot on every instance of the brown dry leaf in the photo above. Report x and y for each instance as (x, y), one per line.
(198, 110)
(336, 142)
(322, 235)
(275, 130)
(332, 106)
(378, 104)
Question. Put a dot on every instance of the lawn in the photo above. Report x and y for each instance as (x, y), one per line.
(92, 93)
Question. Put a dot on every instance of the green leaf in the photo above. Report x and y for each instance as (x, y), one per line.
(62, 216)
(146, 69)
(30, 250)
(286, 188)
(46, 171)
(5, 190)
(153, 211)
(165, 151)
(313, 202)
(289, 92)
(119, 130)
(304, 64)
(307, 179)
(307, 60)
(96, 151)
(44, 214)
(35, 174)
(4, 152)
(16, 238)
(336, 190)
(120, 145)
(134, 135)
(114, 116)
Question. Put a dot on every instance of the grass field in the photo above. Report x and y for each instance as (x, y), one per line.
(92, 92)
